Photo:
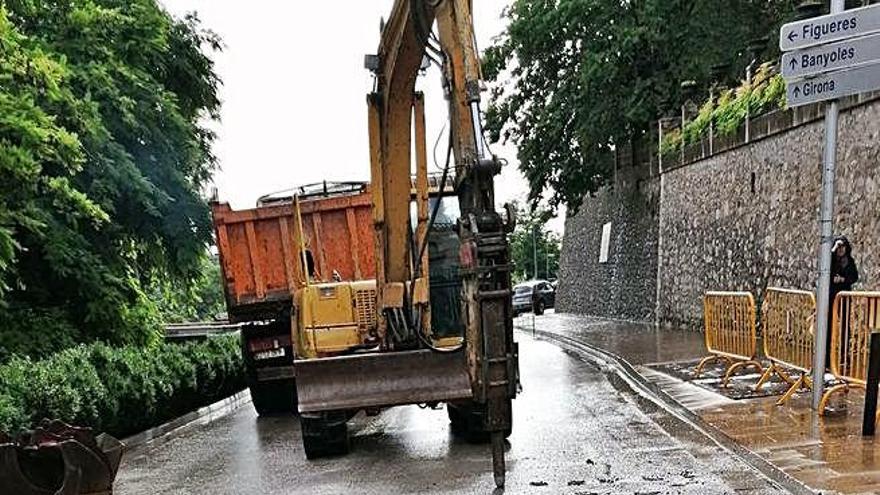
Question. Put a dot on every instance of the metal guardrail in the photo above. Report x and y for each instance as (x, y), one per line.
(854, 315)
(788, 317)
(199, 330)
(731, 335)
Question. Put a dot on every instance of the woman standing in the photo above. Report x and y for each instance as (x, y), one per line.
(844, 274)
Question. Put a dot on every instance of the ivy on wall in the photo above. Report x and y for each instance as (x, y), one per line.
(731, 108)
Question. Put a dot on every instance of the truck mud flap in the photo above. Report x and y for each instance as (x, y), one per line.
(381, 379)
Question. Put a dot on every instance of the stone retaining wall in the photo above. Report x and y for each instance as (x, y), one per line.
(626, 285)
(747, 219)
(744, 219)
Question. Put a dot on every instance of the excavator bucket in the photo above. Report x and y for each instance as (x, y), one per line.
(57, 459)
(381, 379)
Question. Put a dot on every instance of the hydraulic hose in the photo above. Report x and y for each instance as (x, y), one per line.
(421, 252)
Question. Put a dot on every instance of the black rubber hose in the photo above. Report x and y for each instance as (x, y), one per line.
(421, 251)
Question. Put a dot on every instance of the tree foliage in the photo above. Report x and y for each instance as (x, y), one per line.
(577, 78)
(103, 153)
(532, 237)
(199, 299)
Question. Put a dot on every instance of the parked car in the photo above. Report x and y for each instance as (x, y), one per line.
(534, 296)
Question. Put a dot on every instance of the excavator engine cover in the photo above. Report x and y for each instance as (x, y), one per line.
(381, 379)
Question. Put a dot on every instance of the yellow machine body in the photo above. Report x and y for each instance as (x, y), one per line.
(335, 318)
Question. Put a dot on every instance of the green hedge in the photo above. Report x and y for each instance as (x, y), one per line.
(119, 390)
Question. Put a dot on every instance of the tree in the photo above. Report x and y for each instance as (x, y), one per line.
(103, 154)
(530, 240)
(198, 300)
(577, 79)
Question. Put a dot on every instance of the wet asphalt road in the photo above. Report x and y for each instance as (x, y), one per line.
(574, 433)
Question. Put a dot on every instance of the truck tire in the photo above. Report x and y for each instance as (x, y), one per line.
(466, 422)
(274, 398)
(324, 436)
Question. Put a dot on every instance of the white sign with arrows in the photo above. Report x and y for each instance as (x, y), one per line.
(829, 28)
(834, 56)
(834, 85)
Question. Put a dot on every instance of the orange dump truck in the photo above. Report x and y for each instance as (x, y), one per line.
(263, 263)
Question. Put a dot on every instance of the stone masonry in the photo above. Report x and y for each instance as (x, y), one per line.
(743, 219)
(747, 219)
(625, 286)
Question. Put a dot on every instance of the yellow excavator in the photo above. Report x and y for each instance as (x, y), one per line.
(374, 308)
(476, 375)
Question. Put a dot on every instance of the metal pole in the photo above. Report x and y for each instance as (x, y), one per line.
(826, 229)
(535, 249)
(660, 147)
(547, 262)
(869, 417)
(712, 122)
(681, 163)
(748, 101)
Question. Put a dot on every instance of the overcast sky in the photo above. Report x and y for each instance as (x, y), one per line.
(294, 92)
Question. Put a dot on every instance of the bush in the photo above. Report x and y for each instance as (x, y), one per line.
(35, 332)
(765, 93)
(119, 390)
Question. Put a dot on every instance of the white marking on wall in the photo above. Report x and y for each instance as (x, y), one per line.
(606, 243)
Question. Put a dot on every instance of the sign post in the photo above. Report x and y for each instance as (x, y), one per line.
(826, 232)
(829, 57)
(800, 35)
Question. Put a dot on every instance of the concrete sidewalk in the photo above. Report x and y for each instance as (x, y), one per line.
(828, 454)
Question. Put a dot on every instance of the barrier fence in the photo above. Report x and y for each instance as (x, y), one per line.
(788, 321)
(855, 315)
(731, 335)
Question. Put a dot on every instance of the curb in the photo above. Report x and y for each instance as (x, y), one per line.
(180, 424)
(641, 386)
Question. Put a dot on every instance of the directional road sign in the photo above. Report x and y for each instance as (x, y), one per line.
(834, 85)
(828, 28)
(835, 56)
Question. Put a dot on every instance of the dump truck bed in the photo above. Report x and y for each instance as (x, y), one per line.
(260, 257)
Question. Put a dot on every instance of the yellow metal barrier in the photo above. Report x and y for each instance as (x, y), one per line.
(789, 316)
(730, 331)
(854, 316)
